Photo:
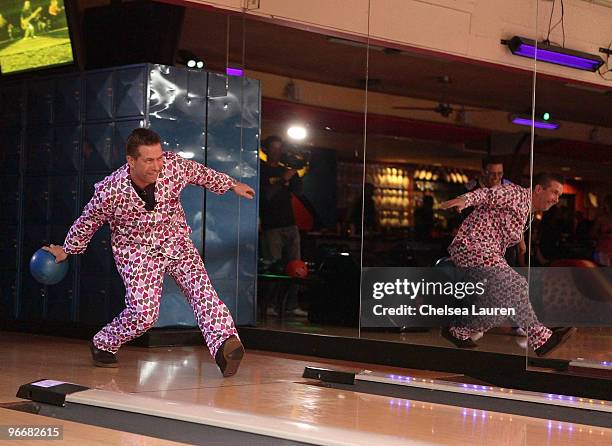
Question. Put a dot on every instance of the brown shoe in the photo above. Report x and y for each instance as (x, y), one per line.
(556, 340)
(229, 355)
(461, 343)
(102, 358)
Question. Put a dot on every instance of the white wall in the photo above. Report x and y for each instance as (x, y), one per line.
(467, 28)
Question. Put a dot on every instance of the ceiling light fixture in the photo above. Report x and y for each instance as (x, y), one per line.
(195, 63)
(539, 124)
(297, 132)
(234, 71)
(520, 46)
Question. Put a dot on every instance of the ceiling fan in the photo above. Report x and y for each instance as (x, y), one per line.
(444, 108)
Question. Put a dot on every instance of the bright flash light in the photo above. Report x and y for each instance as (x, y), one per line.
(186, 155)
(191, 63)
(296, 132)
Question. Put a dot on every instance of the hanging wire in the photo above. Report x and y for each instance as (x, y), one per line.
(531, 158)
(606, 65)
(563, 22)
(364, 171)
(227, 49)
(560, 21)
(552, 11)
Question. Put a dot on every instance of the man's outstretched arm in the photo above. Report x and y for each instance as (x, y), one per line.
(243, 190)
(506, 196)
(212, 180)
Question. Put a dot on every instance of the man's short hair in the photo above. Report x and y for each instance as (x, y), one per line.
(545, 178)
(140, 137)
(266, 143)
(491, 160)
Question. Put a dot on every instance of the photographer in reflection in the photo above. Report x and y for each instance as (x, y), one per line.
(281, 237)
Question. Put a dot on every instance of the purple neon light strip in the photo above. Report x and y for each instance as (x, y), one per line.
(557, 58)
(537, 124)
(234, 71)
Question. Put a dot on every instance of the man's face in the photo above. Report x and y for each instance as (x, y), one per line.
(492, 174)
(275, 150)
(546, 197)
(147, 166)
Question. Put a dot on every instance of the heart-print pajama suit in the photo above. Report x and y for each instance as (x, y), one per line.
(497, 222)
(148, 244)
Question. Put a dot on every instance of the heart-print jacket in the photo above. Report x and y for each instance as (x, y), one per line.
(134, 230)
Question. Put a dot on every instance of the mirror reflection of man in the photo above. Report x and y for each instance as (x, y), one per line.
(499, 219)
(281, 236)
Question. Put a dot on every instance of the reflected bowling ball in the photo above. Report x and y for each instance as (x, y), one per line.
(592, 281)
(296, 268)
(45, 270)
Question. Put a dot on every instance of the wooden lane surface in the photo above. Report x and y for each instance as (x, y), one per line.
(74, 433)
(359, 412)
(271, 385)
(27, 357)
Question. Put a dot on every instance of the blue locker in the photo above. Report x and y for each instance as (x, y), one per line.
(97, 147)
(9, 239)
(11, 148)
(8, 294)
(39, 150)
(99, 95)
(68, 100)
(36, 200)
(66, 154)
(9, 199)
(63, 200)
(11, 104)
(130, 92)
(231, 224)
(40, 102)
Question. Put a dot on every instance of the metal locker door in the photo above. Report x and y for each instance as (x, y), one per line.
(66, 151)
(130, 94)
(99, 95)
(231, 224)
(63, 196)
(67, 100)
(8, 294)
(39, 150)
(9, 199)
(93, 299)
(40, 102)
(97, 147)
(11, 148)
(36, 200)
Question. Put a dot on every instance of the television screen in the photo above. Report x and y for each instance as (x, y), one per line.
(33, 34)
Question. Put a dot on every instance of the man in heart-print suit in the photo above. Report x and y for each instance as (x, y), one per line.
(149, 238)
(500, 216)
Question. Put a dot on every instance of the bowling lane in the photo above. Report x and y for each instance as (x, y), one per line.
(372, 414)
(76, 434)
(28, 357)
(271, 385)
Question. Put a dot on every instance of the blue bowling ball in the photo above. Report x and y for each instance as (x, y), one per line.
(45, 270)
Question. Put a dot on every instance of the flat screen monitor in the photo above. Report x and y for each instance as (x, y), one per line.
(34, 34)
